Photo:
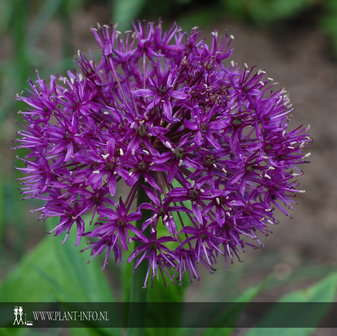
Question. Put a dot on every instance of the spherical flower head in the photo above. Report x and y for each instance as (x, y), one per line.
(207, 143)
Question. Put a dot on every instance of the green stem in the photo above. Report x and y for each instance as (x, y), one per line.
(137, 313)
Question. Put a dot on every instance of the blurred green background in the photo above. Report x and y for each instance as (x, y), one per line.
(295, 41)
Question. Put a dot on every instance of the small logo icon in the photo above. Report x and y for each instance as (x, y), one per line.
(18, 317)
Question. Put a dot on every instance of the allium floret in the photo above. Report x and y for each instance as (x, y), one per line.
(207, 141)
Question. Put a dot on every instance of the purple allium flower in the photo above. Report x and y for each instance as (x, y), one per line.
(207, 141)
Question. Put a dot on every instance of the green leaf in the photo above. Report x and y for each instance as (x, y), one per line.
(323, 291)
(231, 315)
(247, 296)
(54, 272)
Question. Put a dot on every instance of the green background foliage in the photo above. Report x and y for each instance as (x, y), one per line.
(53, 272)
